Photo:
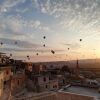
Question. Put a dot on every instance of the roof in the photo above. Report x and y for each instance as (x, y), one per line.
(2, 53)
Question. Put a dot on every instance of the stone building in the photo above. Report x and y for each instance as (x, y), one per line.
(38, 68)
(4, 59)
(13, 79)
(7, 73)
(1, 83)
(40, 83)
(18, 82)
(28, 66)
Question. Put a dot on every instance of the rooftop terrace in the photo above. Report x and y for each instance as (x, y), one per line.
(83, 91)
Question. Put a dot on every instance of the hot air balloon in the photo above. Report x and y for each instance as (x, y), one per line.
(52, 51)
(37, 54)
(68, 48)
(80, 40)
(44, 45)
(28, 57)
(15, 42)
(1, 43)
(10, 55)
(44, 37)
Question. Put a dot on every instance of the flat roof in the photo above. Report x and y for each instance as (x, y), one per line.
(83, 91)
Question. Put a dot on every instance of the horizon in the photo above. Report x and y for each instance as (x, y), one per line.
(96, 61)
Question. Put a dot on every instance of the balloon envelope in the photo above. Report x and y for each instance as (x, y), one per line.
(53, 52)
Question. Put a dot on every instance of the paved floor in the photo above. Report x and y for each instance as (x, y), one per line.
(83, 91)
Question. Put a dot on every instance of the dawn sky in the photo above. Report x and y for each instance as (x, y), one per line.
(63, 22)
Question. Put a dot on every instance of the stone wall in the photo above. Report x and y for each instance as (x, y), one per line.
(1, 83)
(65, 96)
(58, 96)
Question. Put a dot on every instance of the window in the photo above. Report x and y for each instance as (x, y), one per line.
(49, 78)
(55, 86)
(63, 81)
(5, 82)
(7, 72)
(44, 79)
(18, 82)
(46, 86)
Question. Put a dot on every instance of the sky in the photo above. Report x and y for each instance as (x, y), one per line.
(63, 22)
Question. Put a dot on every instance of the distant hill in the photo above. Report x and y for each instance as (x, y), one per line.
(84, 63)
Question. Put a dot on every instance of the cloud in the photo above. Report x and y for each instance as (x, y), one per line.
(24, 21)
(36, 23)
(8, 4)
(24, 46)
(17, 25)
(20, 44)
(74, 15)
(72, 45)
(13, 24)
(46, 51)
